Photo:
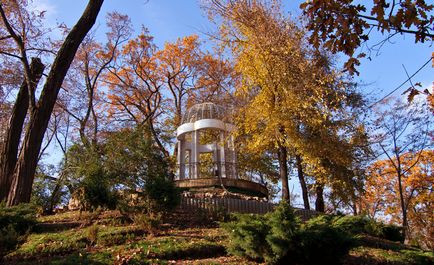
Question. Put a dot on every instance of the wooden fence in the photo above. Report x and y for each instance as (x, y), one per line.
(232, 205)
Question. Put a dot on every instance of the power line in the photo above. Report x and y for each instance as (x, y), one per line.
(403, 83)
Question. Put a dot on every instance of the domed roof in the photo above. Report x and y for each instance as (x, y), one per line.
(207, 110)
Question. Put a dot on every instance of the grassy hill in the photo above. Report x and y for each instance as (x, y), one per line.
(107, 238)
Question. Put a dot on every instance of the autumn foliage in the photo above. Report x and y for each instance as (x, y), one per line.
(381, 195)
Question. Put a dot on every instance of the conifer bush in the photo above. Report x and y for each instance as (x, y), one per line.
(284, 226)
(280, 238)
(363, 225)
(354, 224)
(320, 242)
(266, 238)
(247, 236)
(92, 234)
(393, 233)
(21, 217)
(15, 223)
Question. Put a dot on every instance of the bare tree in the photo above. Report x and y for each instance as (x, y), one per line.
(17, 183)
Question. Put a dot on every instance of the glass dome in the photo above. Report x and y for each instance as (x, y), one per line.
(207, 110)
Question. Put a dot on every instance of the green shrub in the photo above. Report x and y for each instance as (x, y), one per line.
(149, 222)
(95, 190)
(92, 234)
(390, 232)
(9, 239)
(278, 238)
(268, 237)
(21, 217)
(247, 236)
(15, 223)
(363, 225)
(353, 224)
(319, 242)
(284, 227)
(162, 193)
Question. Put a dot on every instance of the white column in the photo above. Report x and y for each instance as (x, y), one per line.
(178, 160)
(216, 160)
(181, 159)
(234, 158)
(222, 155)
(195, 154)
(190, 169)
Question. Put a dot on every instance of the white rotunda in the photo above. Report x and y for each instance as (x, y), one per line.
(206, 154)
(205, 147)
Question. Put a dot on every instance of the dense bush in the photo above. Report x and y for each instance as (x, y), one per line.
(126, 171)
(149, 222)
(15, 223)
(162, 193)
(268, 237)
(21, 217)
(95, 189)
(247, 236)
(363, 225)
(322, 243)
(284, 226)
(139, 166)
(392, 232)
(89, 179)
(353, 224)
(280, 238)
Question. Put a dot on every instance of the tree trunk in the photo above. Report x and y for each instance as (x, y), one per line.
(55, 194)
(283, 170)
(24, 171)
(302, 182)
(157, 139)
(12, 138)
(319, 202)
(403, 207)
(355, 212)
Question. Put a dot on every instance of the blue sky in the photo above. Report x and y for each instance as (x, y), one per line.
(169, 19)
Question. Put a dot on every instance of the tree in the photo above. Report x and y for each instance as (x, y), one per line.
(191, 75)
(135, 87)
(291, 91)
(81, 97)
(382, 188)
(17, 183)
(147, 85)
(127, 162)
(402, 131)
(343, 25)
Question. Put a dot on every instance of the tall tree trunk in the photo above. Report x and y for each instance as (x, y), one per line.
(302, 182)
(403, 207)
(12, 138)
(24, 171)
(283, 170)
(355, 212)
(319, 202)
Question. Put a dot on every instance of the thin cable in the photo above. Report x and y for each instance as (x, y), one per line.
(403, 83)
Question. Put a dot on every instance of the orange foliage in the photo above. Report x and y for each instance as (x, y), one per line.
(147, 82)
(382, 198)
(134, 85)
